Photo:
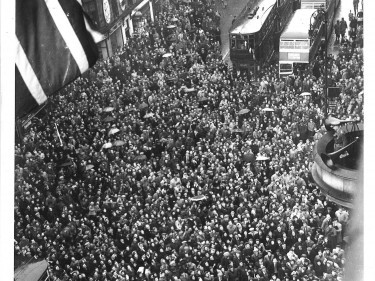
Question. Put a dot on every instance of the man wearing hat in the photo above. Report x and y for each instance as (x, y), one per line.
(310, 253)
(278, 233)
(256, 255)
(338, 251)
(247, 251)
(230, 274)
(326, 222)
(343, 218)
(260, 246)
(300, 249)
(241, 272)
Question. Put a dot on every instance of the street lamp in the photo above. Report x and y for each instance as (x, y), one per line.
(325, 61)
(314, 31)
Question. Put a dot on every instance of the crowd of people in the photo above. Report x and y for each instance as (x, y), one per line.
(147, 169)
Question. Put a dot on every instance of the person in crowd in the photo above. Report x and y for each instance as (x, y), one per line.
(355, 6)
(337, 31)
(343, 28)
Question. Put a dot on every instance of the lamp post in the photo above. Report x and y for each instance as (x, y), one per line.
(321, 12)
(325, 61)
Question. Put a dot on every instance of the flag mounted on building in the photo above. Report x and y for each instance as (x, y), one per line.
(55, 44)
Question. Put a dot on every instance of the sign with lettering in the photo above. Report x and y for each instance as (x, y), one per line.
(294, 56)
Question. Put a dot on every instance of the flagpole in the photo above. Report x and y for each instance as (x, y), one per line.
(58, 134)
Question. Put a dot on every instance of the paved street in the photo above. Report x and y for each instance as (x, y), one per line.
(343, 12)
(234, 7)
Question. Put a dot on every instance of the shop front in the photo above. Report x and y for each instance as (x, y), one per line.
(142, 16)
(116, 38)
(113, 42)
(119, 20)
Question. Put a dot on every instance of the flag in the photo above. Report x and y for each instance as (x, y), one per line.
(54, 46)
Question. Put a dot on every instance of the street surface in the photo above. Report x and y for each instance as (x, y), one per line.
(227, 12)
(343, 12)
(232, 8)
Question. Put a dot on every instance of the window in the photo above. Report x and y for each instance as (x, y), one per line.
(89, 6)
(251, 41)
(242, 44)
(114, 8)
(302, 44)
(295, 44)
(287, 44)
(286, 67)
(233, 42)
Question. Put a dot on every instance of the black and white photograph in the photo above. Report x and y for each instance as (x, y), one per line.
(185, 140)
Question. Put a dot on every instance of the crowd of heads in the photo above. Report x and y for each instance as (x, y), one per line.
(186, 188)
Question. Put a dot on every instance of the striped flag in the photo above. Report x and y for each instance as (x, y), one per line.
(54, 45)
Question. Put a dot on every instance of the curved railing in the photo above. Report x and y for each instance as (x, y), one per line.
(337, 182)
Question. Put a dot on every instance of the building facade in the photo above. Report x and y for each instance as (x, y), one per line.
(118, 20)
